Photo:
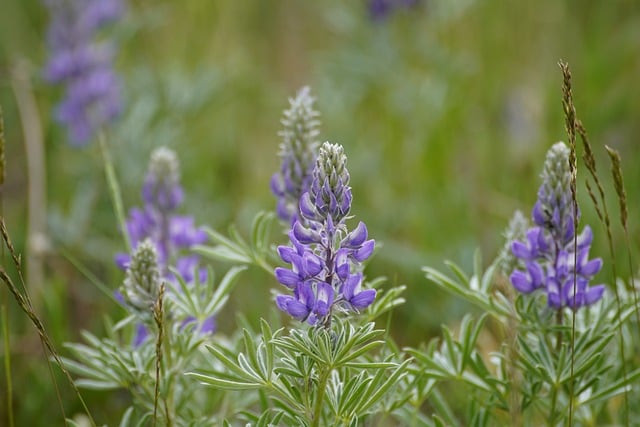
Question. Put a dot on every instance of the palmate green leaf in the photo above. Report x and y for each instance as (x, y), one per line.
(613, 389)
(475, 289)
(450, 350)
(377, 392)
(232, 367)
(225, 250)
(93, 372)
(299, 341)
(260, 230)
(235, 249)
(108, 362)
(352, 343)
(469, 335)
(586, 359)
(352, 394)
(267, 337)
(537, 361)
(433, 364)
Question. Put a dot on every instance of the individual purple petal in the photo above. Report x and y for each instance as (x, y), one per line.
(554, 300)
(342, 263)
(520, 250)
(324, 299)
(294, 308)
(307, 207)
(352, 286)
(287, 277)
(535, 273)
(356, 237)
(365, 251)
(574, 292)
(345, 205)
(593, 294)
(363, 299)
(522, 282)
(305, 235)
(286, 253)
(585, 238)
(538, 215)
(590, 268)
(312, 264)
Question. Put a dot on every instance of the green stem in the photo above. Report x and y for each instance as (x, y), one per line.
(114, 188)
(322, 386)
(7, 365)
(554, 399)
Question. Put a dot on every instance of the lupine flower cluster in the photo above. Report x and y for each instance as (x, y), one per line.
(325, 258)
(552, 262)
(298, 152)
(381, 9)
(157, 224)
(92, 90)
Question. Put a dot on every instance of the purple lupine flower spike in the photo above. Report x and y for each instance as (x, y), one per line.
(83, 65)
(171, 235)
(298, 152)
(325, 258)
(549, 258)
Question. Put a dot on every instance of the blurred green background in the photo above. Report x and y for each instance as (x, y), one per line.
(445, 110)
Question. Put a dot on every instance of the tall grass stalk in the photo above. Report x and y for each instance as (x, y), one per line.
(114, 188)
(24, 302)
(7, 364)
(603, 214)
(5, 318)
(37, 241)
(616, 172)
(570, 124)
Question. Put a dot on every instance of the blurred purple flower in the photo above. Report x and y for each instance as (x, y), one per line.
(325, 258)
(552, 262)
(298, 152)
(381, 9)
(172, 235)
(84, 66)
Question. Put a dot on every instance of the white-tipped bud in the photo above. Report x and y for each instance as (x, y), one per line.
(142, 281)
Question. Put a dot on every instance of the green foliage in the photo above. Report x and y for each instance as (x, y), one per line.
(296, 372)
(540, 362)
(235, 248)
(114, 363)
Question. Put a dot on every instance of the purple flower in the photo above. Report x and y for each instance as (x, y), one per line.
(381, 9)
(325, 258)
(84, 66)
(298, 152)
(171, 235)
(552, 262)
